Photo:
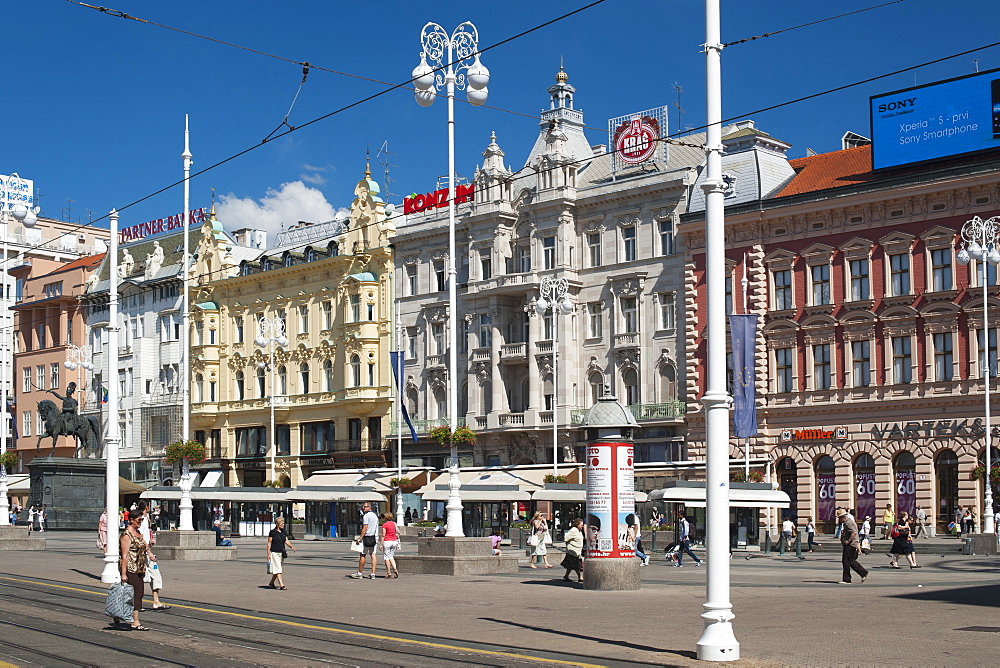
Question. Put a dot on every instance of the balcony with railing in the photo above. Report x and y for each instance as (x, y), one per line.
(671, 410)
(512, 420)
(627, 340)
(513, 351)
(424, 426)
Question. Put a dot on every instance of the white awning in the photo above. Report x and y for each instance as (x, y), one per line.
(472, 494)
(163, 494)
(202, 494)
(18, 483)
(574, 495)
(366, 479)
(743, 498)
(212, 479)
(334, 495)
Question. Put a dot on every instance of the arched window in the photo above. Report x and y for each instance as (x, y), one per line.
(240, 386)
(596, 381)
(788, 482)
(905, 467)
(289, 260)
(668, 383)
(463, 399)
(333, 249)
(441, 402)
(826, 490)
(864, 486)
(310, 255)
(328, 375)
(282, 380)
(199, 388)
(356, 370)
(631, 381)
(304, 377)
(261, 385)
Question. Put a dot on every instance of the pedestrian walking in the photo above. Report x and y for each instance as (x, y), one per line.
(102, 533)
(635, 535)
(134, 554)
(851, 548)
(788, 532)
(684, 544)
(864, 534)
(539, 533)
(959, 516)
(43, 518)
(369, 541)
(573, 561)
(967, 520)
(888, 519)
(902, 543)
(390, 541)
(920, 523)
(811, 534)
(32, 518)
(153, 575)
(277, 541)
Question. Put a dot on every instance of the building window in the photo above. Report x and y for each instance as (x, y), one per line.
(941, 269)
(328, 315)
(40, 330)
(630, 315)
(355, 308)
(212, 395)
(54, 372)
(859, 280)
(943, 356)
(304, 319)
(782, 290)
(486, 268)
(199, 388)
(240, 386)
(26, 379)
(283, 438)
(371, 374)
(317, 436)
(667, 310)
(261, 383)
(439, 275)
(821, 366)
(548, 331)
(328, 375)
(437, 336)
(594, 248)
(820, 284)
(899, 270)
(630, 378)
(485, 330)
(595, 320)
(782, 370)
(282, 378)
(53, 289)
(666, 228)
(549, 252)
(902, 360)
(304, 377)
(729, 292)
(40, 377)
(251, 441)
(411, 343)
(861, 355)
(523, 259)
(240, 329)
(211, 334)
(26, 423)
(411, 279)
(987, 356)
(628, 242)
(356, 370)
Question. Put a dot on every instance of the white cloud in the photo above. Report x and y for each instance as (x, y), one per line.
(313, 176)
(287, 205)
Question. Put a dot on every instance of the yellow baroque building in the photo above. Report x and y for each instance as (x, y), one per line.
(290, 369)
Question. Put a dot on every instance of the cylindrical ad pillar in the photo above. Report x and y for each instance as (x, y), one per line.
(611, 522)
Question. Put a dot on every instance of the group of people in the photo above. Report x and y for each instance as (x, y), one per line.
(901, 530)
(377, 530)
(37, 516)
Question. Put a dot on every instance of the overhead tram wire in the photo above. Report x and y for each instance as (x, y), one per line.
(811, 23)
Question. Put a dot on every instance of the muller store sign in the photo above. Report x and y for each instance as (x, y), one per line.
(170, 223)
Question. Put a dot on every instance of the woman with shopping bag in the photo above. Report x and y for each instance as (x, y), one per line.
(134, 552)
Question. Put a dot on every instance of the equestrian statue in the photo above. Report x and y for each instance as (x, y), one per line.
(68, 423)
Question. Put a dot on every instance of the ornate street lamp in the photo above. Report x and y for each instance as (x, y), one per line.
(555, 298)
(269, 332)
(455, 61)
(981, 242)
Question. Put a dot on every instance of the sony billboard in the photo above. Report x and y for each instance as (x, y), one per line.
(937, 120)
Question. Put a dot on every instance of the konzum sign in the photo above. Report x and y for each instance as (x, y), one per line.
(438, 199)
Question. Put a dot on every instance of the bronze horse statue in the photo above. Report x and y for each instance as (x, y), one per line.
(57, 423)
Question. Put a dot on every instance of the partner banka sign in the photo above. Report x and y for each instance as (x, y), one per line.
(170, 223)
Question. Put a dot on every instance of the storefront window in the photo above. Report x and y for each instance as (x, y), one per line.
(946, 472)
(788, 482)
(864, 486)
(905, 467)
(826, 492)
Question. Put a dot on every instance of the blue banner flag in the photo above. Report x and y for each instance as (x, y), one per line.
(396, 359)
(13, 420)
(743, 329)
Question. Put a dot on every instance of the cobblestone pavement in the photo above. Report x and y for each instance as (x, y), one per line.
(789, 612)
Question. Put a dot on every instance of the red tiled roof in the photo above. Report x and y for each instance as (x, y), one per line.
(830, 170)
(88, 261)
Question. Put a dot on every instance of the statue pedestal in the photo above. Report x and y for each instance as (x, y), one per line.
(453, 556)
(17, 538)
(73, 489)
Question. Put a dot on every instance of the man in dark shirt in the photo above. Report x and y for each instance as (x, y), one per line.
(852, 547)
(220, 540)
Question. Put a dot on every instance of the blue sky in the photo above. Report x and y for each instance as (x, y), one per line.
(95, 104)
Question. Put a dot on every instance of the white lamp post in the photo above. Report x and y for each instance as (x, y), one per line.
(77, 359)
(269, 332)
(554, 297)
(981, 242)
(111, 572)
(717, 642)
(442, 52)
(27, 216)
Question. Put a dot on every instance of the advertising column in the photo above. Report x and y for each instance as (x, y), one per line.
(611, 522)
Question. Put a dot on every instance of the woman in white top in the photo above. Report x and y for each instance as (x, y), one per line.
(539, 529)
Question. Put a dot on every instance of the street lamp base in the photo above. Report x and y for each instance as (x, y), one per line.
(111, 572)
(718, 642)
